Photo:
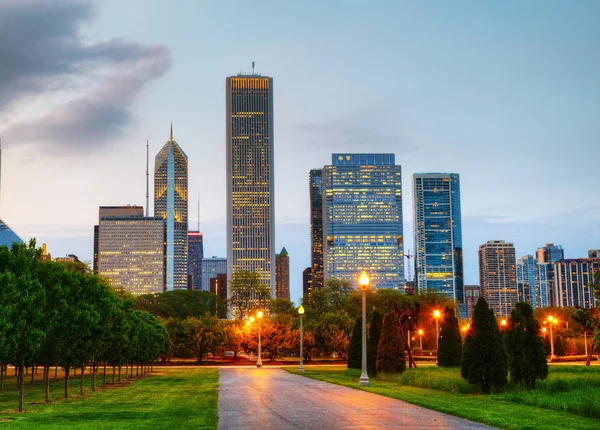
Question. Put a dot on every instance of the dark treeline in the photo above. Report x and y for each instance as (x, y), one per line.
(55, 315)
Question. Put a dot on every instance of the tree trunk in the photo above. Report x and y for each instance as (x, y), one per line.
(137, 370)
(56, 371)
(1, 376)
(94, 366)
(67, 371)
(82, 377)
(589, 358)
(47, 381)
(126, 369)
(119, 380)
(32, 374)
(75, 371)
(104, 379)
(21, 384)
(113, 375)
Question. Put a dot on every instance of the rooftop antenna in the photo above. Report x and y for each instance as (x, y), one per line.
(198, 212)
(253, 67)
(147, 177)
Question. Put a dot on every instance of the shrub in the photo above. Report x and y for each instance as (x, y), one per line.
(355, 347)
(450, 342)
(417, 352)
(572, 358)
(559, 346)
(390, 353)
(373, 342)
(484, 357)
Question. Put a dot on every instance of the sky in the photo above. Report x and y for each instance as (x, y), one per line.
(504, 93)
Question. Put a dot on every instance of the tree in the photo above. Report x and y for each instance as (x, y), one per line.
(247, 294)
(232, 338)
(355, 347)
(484, 357)
(332, 333)
(390, 353)
(559, 346)
(525, 349)
(450, 343)
(203, 335)
(180, 304)
(375, 326)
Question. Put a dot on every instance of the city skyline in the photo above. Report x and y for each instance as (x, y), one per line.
(472, 118)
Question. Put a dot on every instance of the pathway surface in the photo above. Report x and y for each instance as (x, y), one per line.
(271, 398)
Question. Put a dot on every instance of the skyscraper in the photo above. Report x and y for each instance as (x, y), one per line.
(471, 295)
(532, 281)
(250, 185)
(594, 253)
(362, 219)
(171, 204)
(195, 256)
(498, 276)
(306, 284)
(316, 227)
(572, 282)
(550, 253)
(438, 234)
(8, 236)
(211, 267)
(282, 274)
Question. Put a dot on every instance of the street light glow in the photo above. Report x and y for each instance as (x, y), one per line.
(364, 280)
(259, 314)
(503, 323)
(421, 332)
(436, 314)
(252, 319)
(301, 310)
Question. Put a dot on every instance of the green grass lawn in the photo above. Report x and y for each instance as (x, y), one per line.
(170, 398)
(568, 399)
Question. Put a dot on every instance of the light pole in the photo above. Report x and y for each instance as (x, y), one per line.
(421, 340)
(551, 321)
(301, 368)
(363, 282)
(259, 315)
(436, 315)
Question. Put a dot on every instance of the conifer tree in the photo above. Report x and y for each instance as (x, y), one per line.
(355, 347)
(484, 357)
(390, 353)
(450, 343)
(559, 346)
(373, 342)
(525, 349)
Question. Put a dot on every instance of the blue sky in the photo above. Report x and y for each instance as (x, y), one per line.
(503, 93)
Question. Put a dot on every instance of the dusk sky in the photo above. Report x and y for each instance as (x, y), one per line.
(506, 93)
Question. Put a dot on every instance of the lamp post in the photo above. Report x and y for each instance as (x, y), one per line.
(551, 320)
(363, 282)
(436, 315)
(421, 340)
(301, 313)
(259, 315)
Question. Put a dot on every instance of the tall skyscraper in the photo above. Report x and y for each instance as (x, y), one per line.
(171, 204)
(438, 234)
(195, 256)
(131, 249)
(306, 284)
(316, 227)
(532, 281)
(8, 236)
(498, 276)
(362, 219)
(573, 278)
(211, 267)
(550, 253)
(282, 274)
(250, 184)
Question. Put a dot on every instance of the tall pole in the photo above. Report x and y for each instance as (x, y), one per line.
(421, 341)
(437, 338)
(551, 343)
(585, 341)
(364, 377)
(408, 339)
(147, 177)
(301, 368)
(259, 361)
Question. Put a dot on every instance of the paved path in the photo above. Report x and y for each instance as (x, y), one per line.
(270, 398)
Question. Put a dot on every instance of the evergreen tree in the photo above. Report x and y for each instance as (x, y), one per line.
(525, 348)
(450, 349)
(559, 346)
(390, 353)
(355, 347)
(373, 342)
(484, 357)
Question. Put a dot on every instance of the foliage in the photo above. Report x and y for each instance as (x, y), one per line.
(525, 348)
(232, 338)
(355, 347)
(375, 326)
(450, 342)
(484, 357)
(180, 304)
(202, 335)
(559, 346)
(390, 353)
(332, 333)
(247, 294)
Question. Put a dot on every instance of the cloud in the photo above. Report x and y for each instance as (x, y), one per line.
(44, 56)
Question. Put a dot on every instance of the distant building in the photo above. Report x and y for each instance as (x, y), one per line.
(362, 219)
(211, 267)
(471, 296)
(594, 253)
(8, 236)
(195, 256)
(532, 281)
(550, 253)
(572, 282)
(69, 258)
(316, 227)
(438, 234)
(218, 286)
(131, 249)
(171, 204)
(282, 274)
(498, 276)
(45, 254)
(306, 283)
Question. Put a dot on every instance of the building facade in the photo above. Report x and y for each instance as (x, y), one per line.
(498, 276)
(362, 219)
(250, 180)
(438, 234)
(306, 284)
(550, 253)
(282, 275)
(195, 256)
(171, 204)
(131, 250)
(316, 227)
(8, 236)
(532, 281)
(218, 286)
(572, 282)
(471, 295)
(211, 267)
(594, 253)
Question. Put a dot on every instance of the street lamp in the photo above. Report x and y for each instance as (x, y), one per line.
(301, 313)
(551, 320)
(259, 315)
(363, 282)
(421, 340)
(436, 315)
(503, 323)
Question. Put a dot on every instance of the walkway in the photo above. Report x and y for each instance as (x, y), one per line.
(271, 398)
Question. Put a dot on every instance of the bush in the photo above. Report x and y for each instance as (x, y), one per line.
(484, 357)
(450, 342)
(355, 347)
(572, 358)
(373, 342)
(417, 352)
(390, 354)
(559, 346)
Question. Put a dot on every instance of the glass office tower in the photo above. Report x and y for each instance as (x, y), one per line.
(316, 227)
(250, 186)
(438, 234)
(195, 256)
(362, 219)
(532, 281)
(171, 204)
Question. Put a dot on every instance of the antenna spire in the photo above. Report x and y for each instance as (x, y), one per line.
(171, 130)
(147, 177)
(198, 212)
(253, 67)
